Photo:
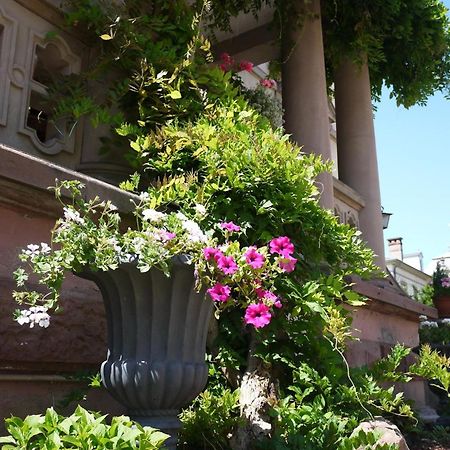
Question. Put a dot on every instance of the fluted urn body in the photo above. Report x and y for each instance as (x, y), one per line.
(157, 327)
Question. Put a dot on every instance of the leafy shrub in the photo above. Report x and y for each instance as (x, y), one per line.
(209, 420)
(82, 430)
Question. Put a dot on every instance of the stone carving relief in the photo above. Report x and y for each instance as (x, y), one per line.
(8, 30)
(346, 213)
(29, 60)
(45, 61)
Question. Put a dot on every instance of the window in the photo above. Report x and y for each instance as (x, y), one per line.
(48, 63)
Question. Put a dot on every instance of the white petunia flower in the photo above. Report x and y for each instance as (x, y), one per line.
(45, 248)
(73, 216)
(181, 216)
(111, 206)
(144, 196)
(200, 209)
(152, 215)
(32, 250)
(36, 315)
(194, 231)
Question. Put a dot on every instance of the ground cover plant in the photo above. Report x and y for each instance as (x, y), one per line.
(216, 179)
(81, 430)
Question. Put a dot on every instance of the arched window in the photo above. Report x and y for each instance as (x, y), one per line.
(49, 59)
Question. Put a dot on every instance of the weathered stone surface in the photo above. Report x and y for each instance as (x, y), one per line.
(390, 434)
(76, 337)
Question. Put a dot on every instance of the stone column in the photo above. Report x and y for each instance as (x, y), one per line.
(357, 155)
(305, 99)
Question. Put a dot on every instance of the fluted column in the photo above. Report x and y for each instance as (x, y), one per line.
(357, 154)
(305, 99)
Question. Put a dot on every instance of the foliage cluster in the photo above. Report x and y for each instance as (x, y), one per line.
(407, 42)
(90, 235)
(82, 430)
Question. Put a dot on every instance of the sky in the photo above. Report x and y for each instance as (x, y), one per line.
(413, 149)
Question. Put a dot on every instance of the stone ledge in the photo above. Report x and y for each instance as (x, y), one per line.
(348, 195)
(386, 298)
(24, 180)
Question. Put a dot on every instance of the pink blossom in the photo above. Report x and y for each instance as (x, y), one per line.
(288, 263)
(258, 315)
(220, 292)
(268, 83)
(281, 245)
(226, 58)
(224, 67)
(246, 65)
(254, 259)
(211, 252)
(227, 265)
(445, 283)
(167, 235)
(270, 296)
(230, 226)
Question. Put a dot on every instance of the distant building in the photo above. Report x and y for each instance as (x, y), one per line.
(443, 259)
(406, 269)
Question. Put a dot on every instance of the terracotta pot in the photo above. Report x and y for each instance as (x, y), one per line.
(157, 327)
(442, 304)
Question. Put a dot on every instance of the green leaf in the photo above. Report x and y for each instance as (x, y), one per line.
(175, 94)
(106, 37)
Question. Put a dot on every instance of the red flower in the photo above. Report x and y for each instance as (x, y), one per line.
(246, 65)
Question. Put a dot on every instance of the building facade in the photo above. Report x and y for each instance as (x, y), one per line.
(34, 364)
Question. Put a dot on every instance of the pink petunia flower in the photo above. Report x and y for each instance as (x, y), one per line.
(445, 282)
(219, 292)
(288, 263)
(227, 265)
(211, 252)
(246, 65)
(254, 259)
(270, 296)
(230, 226)
(281, 245)
(167, 235)
(258, 314)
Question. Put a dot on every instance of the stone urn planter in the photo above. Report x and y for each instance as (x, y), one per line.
(442, 304)
(157, 327)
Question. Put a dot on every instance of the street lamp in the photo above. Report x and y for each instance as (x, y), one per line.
(385, 217)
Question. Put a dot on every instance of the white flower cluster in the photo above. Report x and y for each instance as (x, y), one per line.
(34, 250)
(71, 215)
(195, 234)
(152, 215)
(36, 315)
(428, 324)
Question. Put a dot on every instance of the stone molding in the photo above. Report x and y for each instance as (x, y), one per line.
(24, 180)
